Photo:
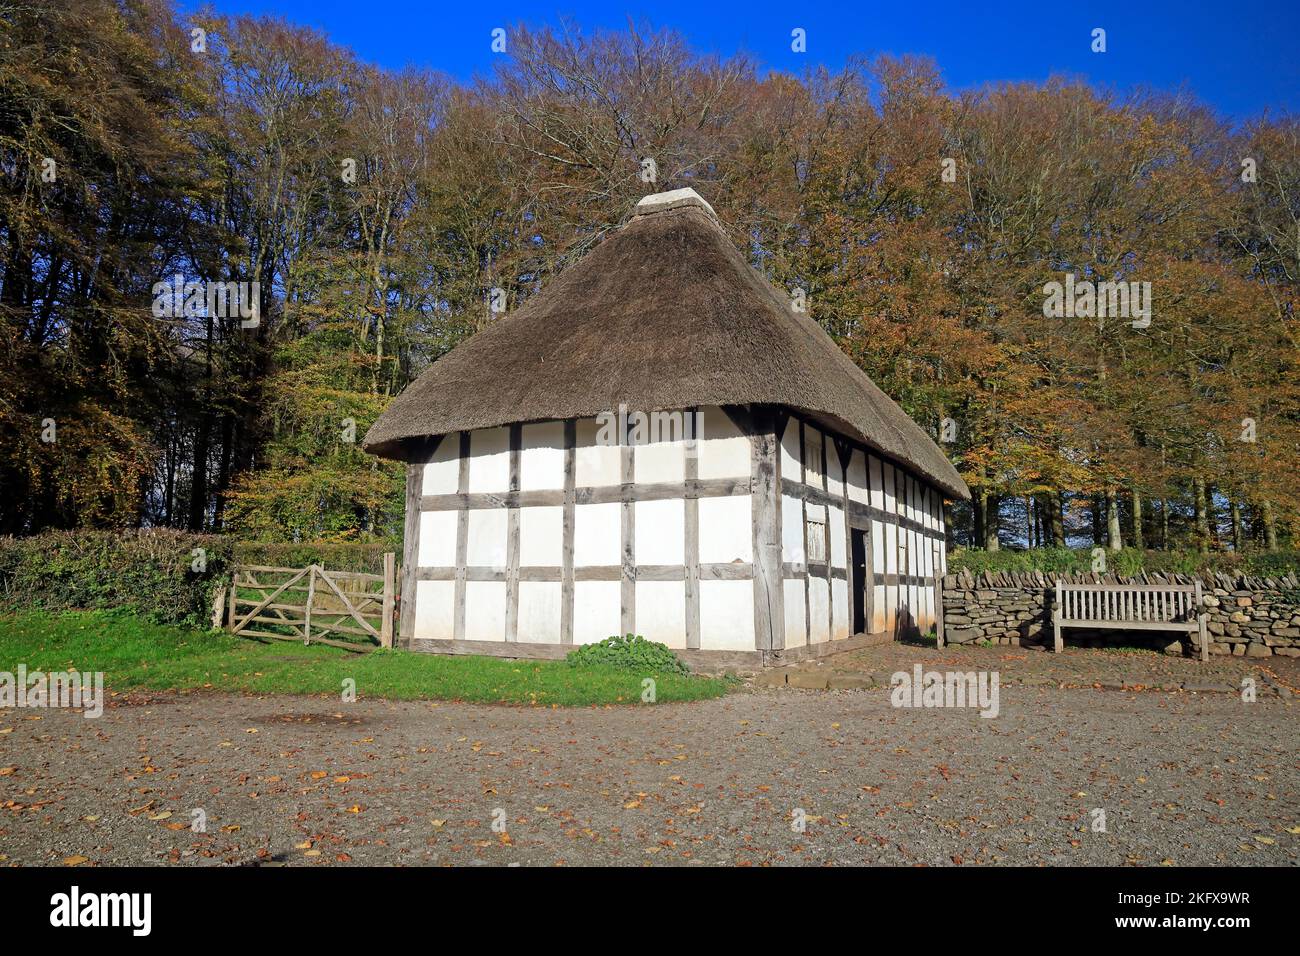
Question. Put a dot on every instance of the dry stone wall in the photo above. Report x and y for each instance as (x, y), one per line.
(1246, 616)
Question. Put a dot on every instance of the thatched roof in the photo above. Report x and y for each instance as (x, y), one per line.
(664, 314)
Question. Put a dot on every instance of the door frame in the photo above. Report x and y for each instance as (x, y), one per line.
(868, 581)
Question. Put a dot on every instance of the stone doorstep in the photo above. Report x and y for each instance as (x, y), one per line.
(811, 679)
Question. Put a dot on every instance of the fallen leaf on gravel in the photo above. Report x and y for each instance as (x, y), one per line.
(230, 828)
(91, 818)
(6, 771)
(312, 853)
(160, 816)
(1267, 841)
(438, 824)
(355, 808)
(75, 860)
(632, 805)
(342, 779)
(318, 774)
(178, 826)
(1293, 829)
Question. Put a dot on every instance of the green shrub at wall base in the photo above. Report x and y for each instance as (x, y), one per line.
(631, 651)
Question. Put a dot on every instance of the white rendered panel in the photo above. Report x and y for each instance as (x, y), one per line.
(857, 478)
(437, 539)
(596, 464)
(596, 610)
(818, 609)
(596, 535)
(539, 612)
(487, 538)
(723, 450)
(792, 550)
(541, 536)
(726, 529)
(485, 610)
(790, 451)
(879, 617)
(435, 607)
(834, 470)
(660, 531)
(442, 473)
(727, 615)
(812, 455)
(796, 634)
(840, 609)
(489, 460)
(661, 612)
(659, 462)
(838, 556)
(541, 457)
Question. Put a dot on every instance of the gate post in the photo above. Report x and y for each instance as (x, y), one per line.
(386, 626)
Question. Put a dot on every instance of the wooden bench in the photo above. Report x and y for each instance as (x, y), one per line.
(1130, 607)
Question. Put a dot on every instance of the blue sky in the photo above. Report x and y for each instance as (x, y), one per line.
(1241, 57)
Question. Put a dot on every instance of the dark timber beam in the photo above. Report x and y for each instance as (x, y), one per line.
(769, 584)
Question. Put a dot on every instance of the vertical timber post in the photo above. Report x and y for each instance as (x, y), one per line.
(311, 597)
(769, 588)
(390, 587)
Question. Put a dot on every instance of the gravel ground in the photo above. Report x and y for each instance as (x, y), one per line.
(1073, 667)
(1183, 778)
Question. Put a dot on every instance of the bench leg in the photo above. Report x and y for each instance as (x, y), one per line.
(1205, 642)
(1057, 643)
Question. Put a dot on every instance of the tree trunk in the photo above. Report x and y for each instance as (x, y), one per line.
(1164, 523)
(977, 519)
(1211, 516)
(991, 503)
(1139, 540)
(1234, 509)
(1202, 520)
(1055, 518)
(1270, 524)
(1114, 537)
(1096, 520)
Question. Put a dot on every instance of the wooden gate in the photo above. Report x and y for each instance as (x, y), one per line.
(306, 604)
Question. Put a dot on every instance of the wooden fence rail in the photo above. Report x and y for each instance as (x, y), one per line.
(306, 604)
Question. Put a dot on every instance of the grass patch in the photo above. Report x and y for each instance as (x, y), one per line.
(135, 653)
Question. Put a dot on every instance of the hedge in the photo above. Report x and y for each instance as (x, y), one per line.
(168, 576)
(365, 557)
(1127, 561)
